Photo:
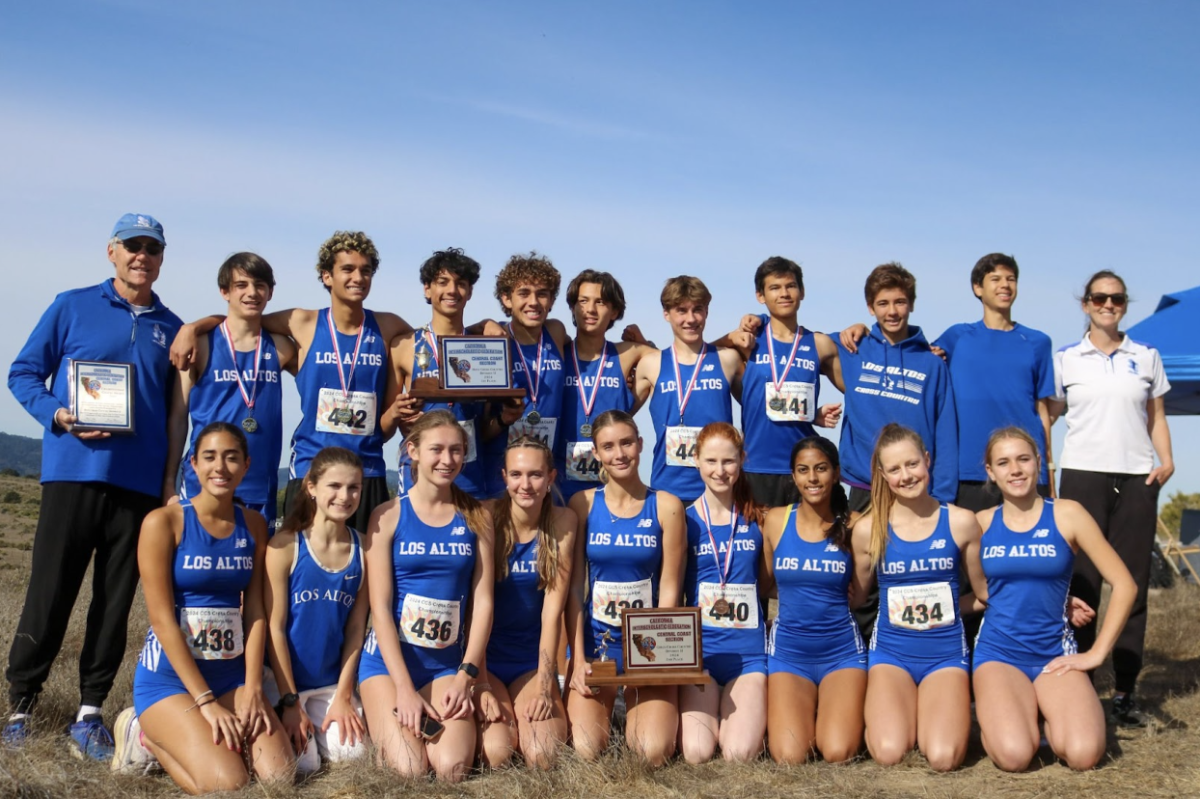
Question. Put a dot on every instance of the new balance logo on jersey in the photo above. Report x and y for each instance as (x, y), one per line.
(608, 364)
(1041, 533)
(708, 367)
(939, 543)
(643, 522)
(241, 543)
(459, 531)
(266, 356)
(804, 348)
(831, 547)
(743, 528)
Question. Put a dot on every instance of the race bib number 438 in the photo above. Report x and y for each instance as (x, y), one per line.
(212, 633)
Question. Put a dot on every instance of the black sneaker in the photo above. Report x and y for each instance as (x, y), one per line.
(1125, 712)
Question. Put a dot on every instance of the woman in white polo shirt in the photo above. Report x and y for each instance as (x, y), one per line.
(1112, 390)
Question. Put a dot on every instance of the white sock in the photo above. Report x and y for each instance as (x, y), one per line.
(87, 710)
(18, 716)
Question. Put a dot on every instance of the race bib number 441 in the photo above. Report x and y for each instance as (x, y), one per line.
(921, 607)
(429, 623)
(212, 633)
(347, 416)
(793, 402)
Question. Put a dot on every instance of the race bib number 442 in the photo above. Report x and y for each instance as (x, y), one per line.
(347, 416)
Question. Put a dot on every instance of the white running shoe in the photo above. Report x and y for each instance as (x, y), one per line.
(130, 755)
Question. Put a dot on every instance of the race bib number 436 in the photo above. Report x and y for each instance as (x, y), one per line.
(212, 633)
(429, 623)
(921, 607)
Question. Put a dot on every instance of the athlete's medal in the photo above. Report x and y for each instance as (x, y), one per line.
(588, 401)
(778, 403)
(249, 424)
(721, 606)
(343, 414)
(533, 381)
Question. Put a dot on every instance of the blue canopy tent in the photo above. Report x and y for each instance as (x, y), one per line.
(1172, 329)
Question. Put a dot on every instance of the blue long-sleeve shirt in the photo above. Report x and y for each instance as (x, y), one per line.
(97, 324)
(904, 383)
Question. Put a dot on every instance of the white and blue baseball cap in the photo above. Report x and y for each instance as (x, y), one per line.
(131, 226)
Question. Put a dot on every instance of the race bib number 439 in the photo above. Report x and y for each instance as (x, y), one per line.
(609, 599)
(921, 607)
(212, 633)
(347, 416)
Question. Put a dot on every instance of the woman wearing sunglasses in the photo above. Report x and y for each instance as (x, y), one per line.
(1111, 389)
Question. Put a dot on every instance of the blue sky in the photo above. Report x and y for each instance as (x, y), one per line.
(646, 139)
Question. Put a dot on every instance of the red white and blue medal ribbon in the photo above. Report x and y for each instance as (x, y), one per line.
(679, 392)
(588, 402)
(347, 380)
(533, 381)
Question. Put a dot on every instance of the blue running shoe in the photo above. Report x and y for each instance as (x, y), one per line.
(91, 739)
(16, 732)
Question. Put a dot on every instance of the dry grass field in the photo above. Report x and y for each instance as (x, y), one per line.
(1161, 761)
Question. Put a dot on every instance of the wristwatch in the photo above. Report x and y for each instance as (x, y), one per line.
(470, 668)
(288, 700)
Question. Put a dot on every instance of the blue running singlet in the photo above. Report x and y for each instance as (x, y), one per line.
(591, 388)
(433, 567)
(517, 622)
(704, 392)
(736, 626)
(1029, 577)
(918, 627)
(207, 580)
(320, 599)
(217, 396)
(342, 384)
(537, 368)
(815, 632)
(624, 564)
(780, 403)
(425, 364)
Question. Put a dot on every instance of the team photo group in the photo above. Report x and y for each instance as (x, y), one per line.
(939, 565)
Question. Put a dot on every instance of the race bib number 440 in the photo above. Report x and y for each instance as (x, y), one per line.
(739, 612)
(347, 416)
(921, 607)
(609, 599)
(212, 633)
(429, 623)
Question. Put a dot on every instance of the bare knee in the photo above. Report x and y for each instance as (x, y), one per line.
(741, 752)
(789, 751)
(589, 745)
(655, 752)
(1082, 755)
(887, 750)
(496, 751)
(541, 756)
(944, 757)
(1010, 755)
(698, 749)
(228, 780)
(839, 751)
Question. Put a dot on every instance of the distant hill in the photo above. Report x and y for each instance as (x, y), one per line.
(21, 453)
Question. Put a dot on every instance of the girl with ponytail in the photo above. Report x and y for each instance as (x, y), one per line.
(721, 578)
(316, 604)
(917, 683)
(520, 704)
(429, 561)
(817, 664)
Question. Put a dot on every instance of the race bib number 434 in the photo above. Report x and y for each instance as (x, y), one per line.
(921, 607)
(212, 633)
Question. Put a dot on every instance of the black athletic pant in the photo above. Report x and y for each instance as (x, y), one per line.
(1126, 509)
(374, 493)
(772, 490)
(864, 614)
(75, 521)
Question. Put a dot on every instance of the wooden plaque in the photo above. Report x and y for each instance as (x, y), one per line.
(660, 646)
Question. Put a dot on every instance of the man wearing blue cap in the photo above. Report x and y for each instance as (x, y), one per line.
(97, 485)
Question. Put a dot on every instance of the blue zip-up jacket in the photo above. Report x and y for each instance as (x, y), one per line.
(904, 383)
(97, 324)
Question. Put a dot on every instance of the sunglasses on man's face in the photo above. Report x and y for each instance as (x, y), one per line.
(134, 246)
(1099, 300)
